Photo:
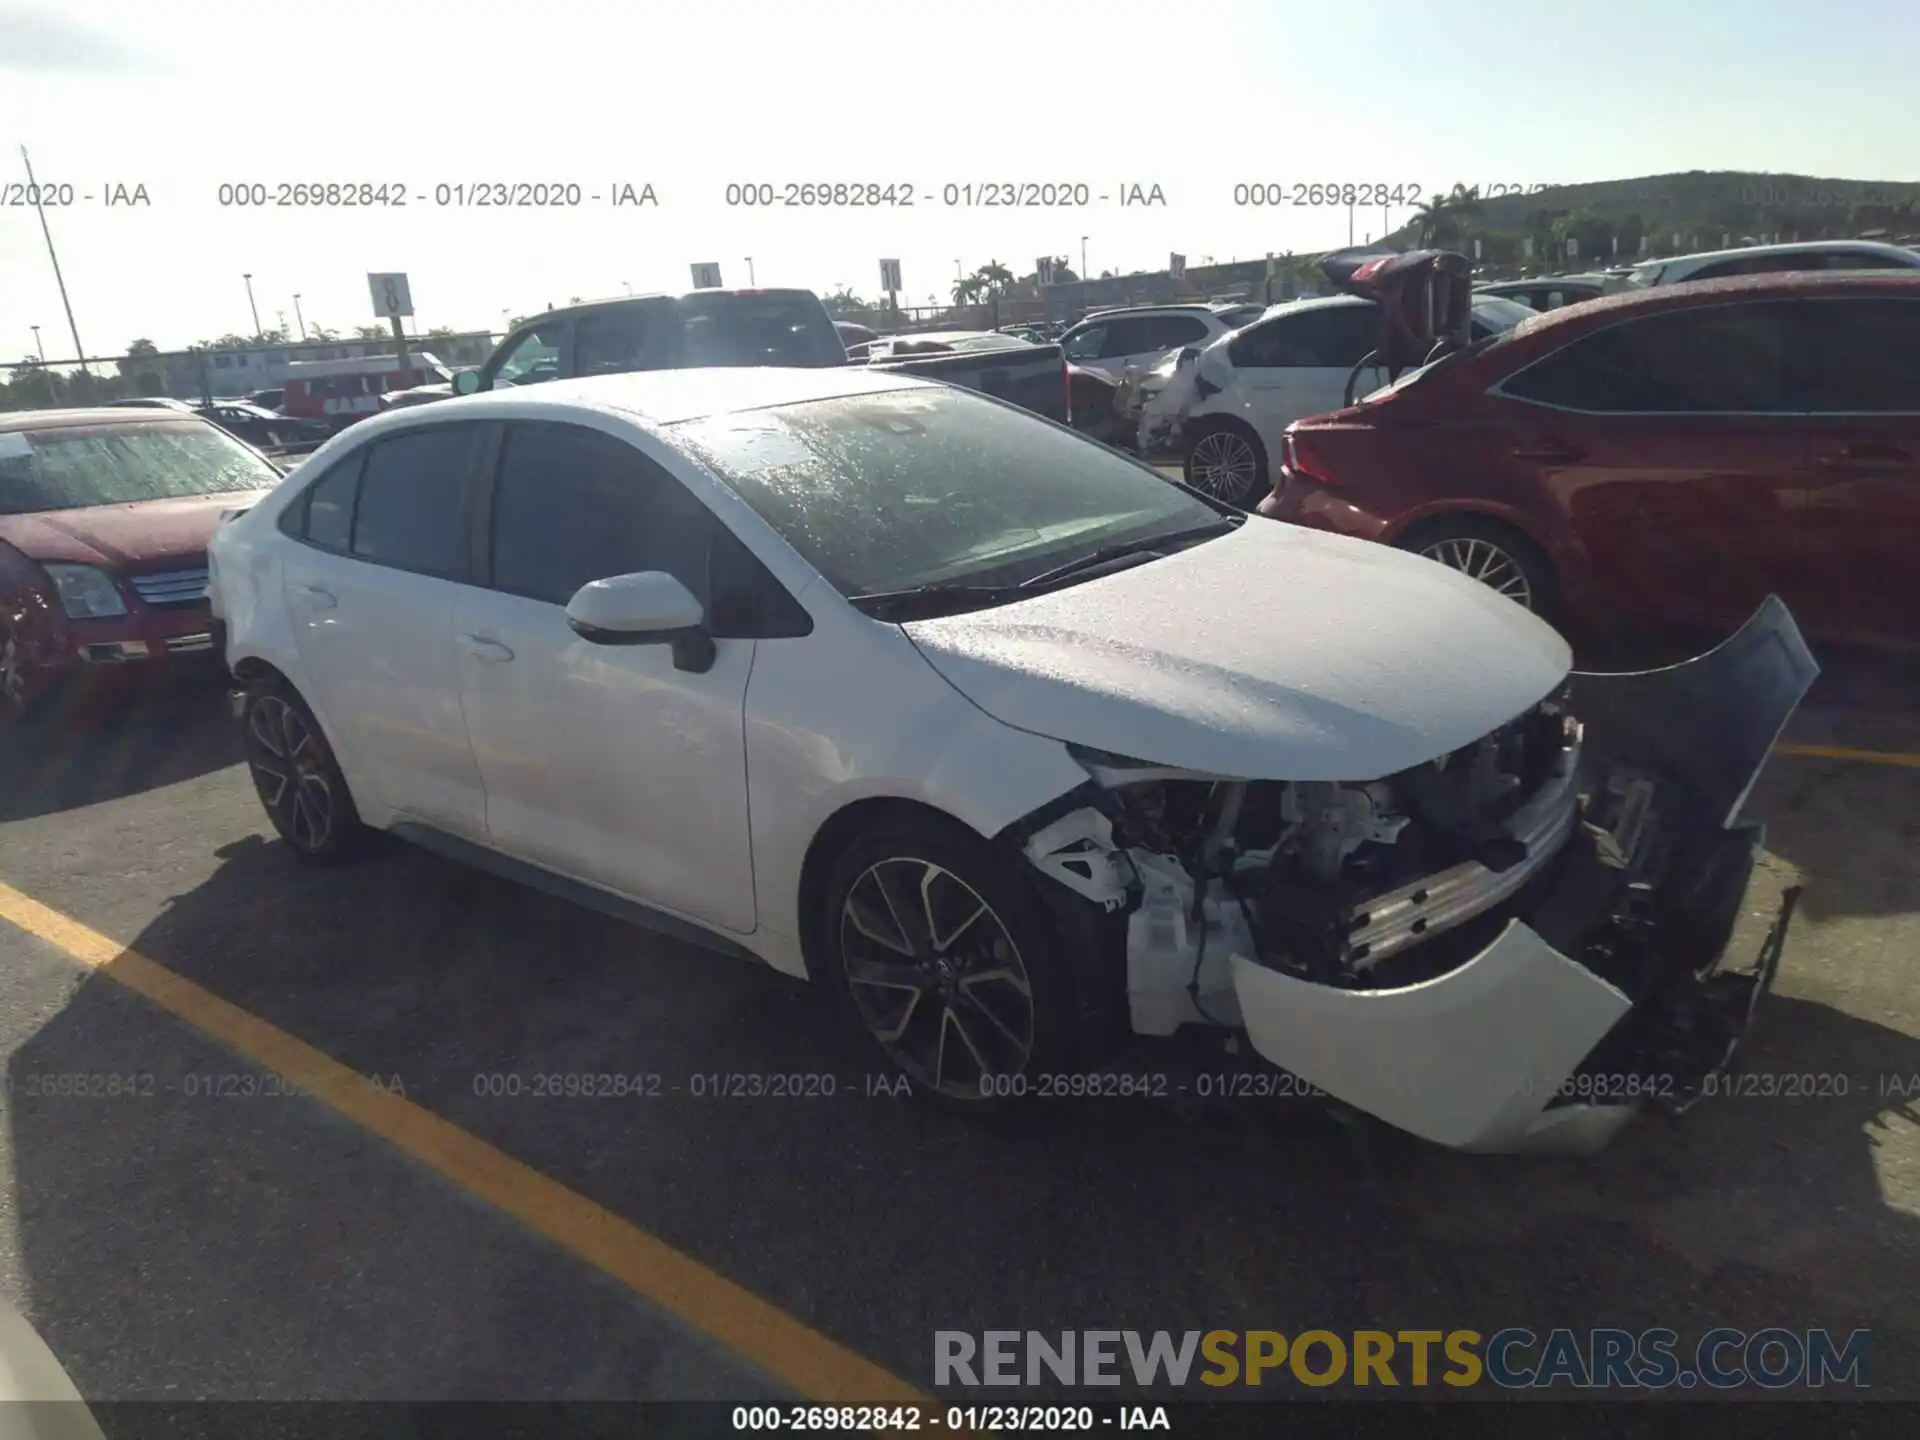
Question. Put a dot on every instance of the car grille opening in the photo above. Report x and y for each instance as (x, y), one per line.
(166, 588)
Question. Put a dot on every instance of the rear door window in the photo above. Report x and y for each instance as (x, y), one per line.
(412, 510)
(768, 327)
(1327, 337)
(623, 339)
(1858, 356)
(1087, 344)
(1721, 359)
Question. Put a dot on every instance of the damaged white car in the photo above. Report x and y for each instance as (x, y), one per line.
(1026, 750)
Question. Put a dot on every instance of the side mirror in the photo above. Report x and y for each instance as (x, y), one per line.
(650, 608)
(466, 382)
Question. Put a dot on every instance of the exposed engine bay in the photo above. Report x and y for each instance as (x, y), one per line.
(1523, 912)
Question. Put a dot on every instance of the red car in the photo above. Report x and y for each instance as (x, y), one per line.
(1661, 457)
(104, 521)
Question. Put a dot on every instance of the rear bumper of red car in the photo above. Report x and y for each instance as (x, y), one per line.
(1299, 501)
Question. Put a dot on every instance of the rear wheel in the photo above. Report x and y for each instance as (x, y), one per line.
(296, 776)
(1496, 555)
(1227, 461)
(939, 952)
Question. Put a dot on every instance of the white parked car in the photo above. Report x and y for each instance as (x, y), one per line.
(1770, 260)
(1024, 749)
(1115, 342)
(1226, 409)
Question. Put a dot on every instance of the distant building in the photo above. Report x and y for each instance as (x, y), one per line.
(240, 370)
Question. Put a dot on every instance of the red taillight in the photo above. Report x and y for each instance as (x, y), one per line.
(1066, 376)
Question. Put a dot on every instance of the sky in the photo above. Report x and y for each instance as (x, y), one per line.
(428, 98)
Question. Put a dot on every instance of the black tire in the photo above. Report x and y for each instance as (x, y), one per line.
(1494, 553)
(1000, 1040)
(1226, 460)
(295, 775)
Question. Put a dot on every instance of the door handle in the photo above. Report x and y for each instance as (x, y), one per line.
(481, 648)
(320, 599)
(1553, 452)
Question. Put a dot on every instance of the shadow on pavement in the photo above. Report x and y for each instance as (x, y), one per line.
(872, 1218)
(111, 749)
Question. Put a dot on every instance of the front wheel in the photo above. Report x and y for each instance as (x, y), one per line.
(939, 951)
(1228, 462)
(294, 773)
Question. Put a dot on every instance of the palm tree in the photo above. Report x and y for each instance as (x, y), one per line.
(994, 276)
(1433, 220)
(966, 290)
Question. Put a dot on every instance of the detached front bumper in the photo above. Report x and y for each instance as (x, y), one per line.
(1605, 992)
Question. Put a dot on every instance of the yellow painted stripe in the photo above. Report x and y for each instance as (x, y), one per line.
(764, 1335)
(1840, 752)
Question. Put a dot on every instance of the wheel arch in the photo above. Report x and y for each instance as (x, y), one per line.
(834, 835)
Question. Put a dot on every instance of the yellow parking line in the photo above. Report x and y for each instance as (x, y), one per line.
(1840, 752)
(762, 1334)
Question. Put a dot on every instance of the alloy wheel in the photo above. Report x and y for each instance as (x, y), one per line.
(289, 767)
(1486, 562)
(1223, 465)
(936, 976)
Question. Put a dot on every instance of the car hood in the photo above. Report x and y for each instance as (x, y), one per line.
(121, 536)
(1273, 652)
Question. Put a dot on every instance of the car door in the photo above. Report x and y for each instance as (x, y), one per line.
(1296, 364)
(370, 592)
(1668, 447)
(1136, 341)
(605, 763)
(1854, 366)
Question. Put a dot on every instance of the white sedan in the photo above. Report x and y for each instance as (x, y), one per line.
(1023, 748)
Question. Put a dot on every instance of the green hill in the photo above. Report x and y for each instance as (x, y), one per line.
(1666, 214)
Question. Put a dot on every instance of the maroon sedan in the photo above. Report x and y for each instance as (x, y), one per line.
(1668, 456)
(104, 521)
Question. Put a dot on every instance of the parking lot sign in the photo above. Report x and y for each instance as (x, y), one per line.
(1043, 270)
(1176, 266)
(391, 298)
(706, 277)
(890, 276)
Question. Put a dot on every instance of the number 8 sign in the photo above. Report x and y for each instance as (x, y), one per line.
(391, 297)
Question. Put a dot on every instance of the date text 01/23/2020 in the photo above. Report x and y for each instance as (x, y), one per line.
(968, 195)
(960, 1419)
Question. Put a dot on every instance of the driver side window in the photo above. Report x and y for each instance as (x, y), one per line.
(534, 358)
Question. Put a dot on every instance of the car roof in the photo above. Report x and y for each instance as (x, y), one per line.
(655, 297)
(668, 397)
(1786, 284)
(1900, 254)
(17, 420)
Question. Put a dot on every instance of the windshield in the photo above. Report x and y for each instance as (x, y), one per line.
(921, 486)
(1482, 309)
(70, 469)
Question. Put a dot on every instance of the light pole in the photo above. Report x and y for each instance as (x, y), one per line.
(37, 345)
(251, 306)
(1083, 259)
(33, 187)
(298, 316)
(627, 283)
(750, 280)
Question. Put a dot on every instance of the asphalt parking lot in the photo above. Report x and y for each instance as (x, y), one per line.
(402, 1233)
